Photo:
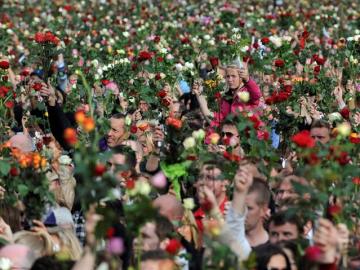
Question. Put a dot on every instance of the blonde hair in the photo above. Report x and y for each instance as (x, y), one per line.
(39, 242)
(70, 243)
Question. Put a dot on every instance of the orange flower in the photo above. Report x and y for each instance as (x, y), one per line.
(80, 117)
(70, 136)
(88, 124)
(176, 123)
(143, 126)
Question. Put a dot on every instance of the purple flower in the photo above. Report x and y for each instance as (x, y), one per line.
(115, 245)
(358, 87)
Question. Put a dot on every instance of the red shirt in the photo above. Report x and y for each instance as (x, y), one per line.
(200, 214)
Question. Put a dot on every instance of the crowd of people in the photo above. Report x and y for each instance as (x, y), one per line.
(179, 135)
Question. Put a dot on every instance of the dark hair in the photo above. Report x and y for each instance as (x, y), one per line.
(265, 252)
(280, 218)
(320, 124)
(11, 216)
(50, 262)
(130, 157)
(262, 189)
(118, 116)
(156, 255)
(164, 228)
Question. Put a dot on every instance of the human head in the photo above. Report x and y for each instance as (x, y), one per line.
(270, 256)
(123, 156)
(39, 243)
(230, 134)
(320, 131)
(21, 256)
(284, 226)
(169, 207)
(117, 133)
(144, 106)
(153, 234)
(50, 262)
(257, 202)
(232, 77)
(157, 260)
(21, 142)
(285, 190)
(211, 176)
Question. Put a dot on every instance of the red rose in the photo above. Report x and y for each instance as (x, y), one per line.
(157, 39)
(133, 129)
(334, 210)
(165, 102)
(354, 138)
(185, 40)
(320, 61)
(356, 181)
(263, 135)
(159, 59)
(37, 86)
(217, 95)
(313, 253)
(110, 232)
(214, 61)
(14, 171)
(105, 82)
(343, 159)
(313, 159)
(279, 63)
(130, 183)
(9, 104)
(161, 94)
(317, 69)
(40, 37)
(256, 122)
(269, 101)
(3, 91)
(144, 55)
(265, 40)
(99, 169)
(303, 139)
(4, 64)
(345, 113)
(173, 246)
(256, 45)
(158, 77)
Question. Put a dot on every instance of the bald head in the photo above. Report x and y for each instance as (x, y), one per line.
(22, 142)
(169, 207)
(21, 256)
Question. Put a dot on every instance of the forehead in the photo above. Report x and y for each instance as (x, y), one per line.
(229, 127)
(251, 198)
(116, 122)
(320, 131)
(118, 159)
(210, 169)
(231, 71)
(287, 227)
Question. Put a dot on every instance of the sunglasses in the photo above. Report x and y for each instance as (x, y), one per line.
(227, 134)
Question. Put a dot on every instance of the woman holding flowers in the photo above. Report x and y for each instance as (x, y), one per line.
(243, 94)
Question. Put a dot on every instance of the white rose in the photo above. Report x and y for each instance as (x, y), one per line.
(335, 116)
(126, 34)
(178, 67)
(199, 134)
(142, 187)
(244, 49)
(189, 203)
(244, 96)
(276, 41)
(207, 37)
(65, 160)
(189, 143)
(5, 264)
(212, 42)
(344, 129)
(189, 65)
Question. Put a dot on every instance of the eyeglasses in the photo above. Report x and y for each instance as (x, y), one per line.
(227, 134)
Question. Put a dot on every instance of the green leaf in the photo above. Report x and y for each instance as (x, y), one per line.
(4, 167)
(23, 190)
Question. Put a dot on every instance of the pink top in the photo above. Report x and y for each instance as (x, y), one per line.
(237, 105)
